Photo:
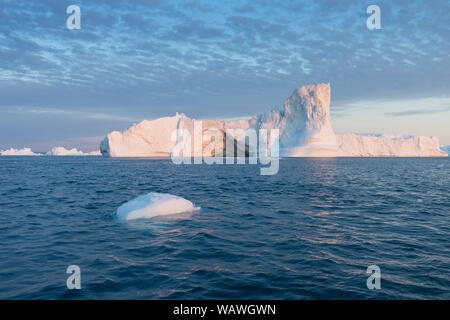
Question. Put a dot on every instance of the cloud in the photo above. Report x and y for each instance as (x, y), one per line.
(69, 113)
(210, 59)
(193, 29)
(416, 112)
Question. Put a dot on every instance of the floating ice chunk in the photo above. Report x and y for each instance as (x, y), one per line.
(153, 204)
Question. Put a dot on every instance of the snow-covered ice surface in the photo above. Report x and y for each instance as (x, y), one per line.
(303, 122)
(152, 205)
(19, 152)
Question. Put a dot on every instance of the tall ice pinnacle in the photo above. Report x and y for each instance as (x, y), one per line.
(304, 123)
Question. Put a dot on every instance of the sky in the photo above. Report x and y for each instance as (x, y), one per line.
(134, 60)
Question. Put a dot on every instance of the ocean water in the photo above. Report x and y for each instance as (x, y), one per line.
(309, 232)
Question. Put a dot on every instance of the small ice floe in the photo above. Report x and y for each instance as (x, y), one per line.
(152, 205)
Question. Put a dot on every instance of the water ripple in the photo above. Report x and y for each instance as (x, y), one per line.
(309, 232)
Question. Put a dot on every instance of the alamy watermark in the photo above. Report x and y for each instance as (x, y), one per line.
(74, 20)
(230, 146)
(374, 20)
(374, 280)
(74, 280)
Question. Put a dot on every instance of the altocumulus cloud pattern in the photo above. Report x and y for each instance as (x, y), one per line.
(207, 58)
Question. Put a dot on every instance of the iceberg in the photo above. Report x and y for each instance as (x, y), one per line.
(18, 152)
(61, 151)
(94, 153)
(304, 126)
(153, 204)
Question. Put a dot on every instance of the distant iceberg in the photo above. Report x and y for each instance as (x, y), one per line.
(19, 152)
(303, 122)
(61, 151)
(94, 153)
(153, 204)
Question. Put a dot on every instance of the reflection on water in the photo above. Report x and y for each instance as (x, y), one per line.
(159, 222)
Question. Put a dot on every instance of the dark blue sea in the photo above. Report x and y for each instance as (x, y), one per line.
(309, 232)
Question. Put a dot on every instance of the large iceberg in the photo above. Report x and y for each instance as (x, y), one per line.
(304, 131)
